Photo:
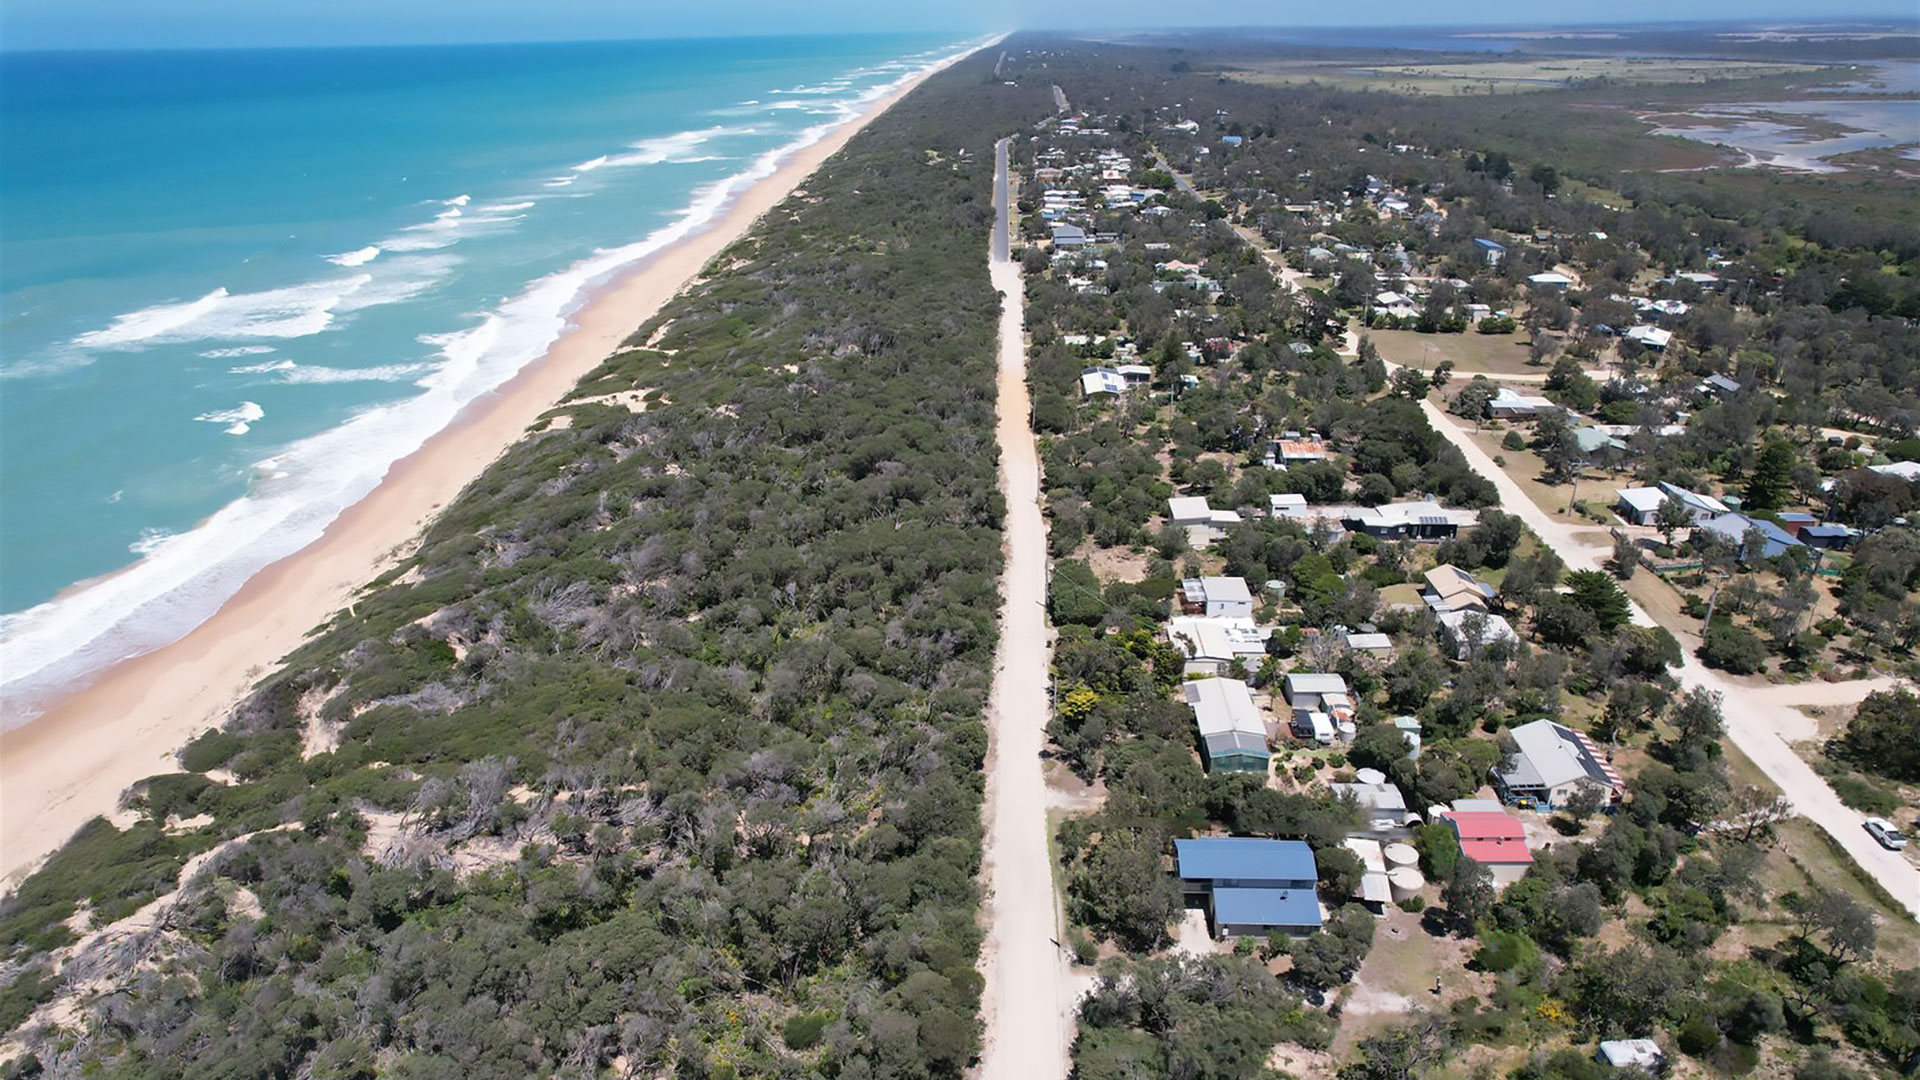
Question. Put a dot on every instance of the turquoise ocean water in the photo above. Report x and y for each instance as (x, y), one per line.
(236, 285)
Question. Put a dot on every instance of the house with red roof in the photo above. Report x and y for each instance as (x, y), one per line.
(1494, 840)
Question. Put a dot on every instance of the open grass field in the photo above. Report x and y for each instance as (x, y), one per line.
(1509, 74)
(1471, 353)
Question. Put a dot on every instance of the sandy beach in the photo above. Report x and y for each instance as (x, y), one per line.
(72, 763)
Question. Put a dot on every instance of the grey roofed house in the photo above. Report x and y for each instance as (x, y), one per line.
(1550, 762)
(1069, 236)
(1383, 809)
(1425, 520)
(1230, 725)
(1639, 505)
(1307, 689)
(1468, 629)
(1719, 385)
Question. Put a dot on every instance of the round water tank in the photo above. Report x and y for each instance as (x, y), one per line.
(1401, 855)
(1405, 882)
(1369, 776)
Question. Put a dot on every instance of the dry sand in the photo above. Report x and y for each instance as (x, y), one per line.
(1028, 1000)
(72, 763)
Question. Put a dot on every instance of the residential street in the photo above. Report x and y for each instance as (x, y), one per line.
(1760, 719)
(1756, 716)
(1028, 1002)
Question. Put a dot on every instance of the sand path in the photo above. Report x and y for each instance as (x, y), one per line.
(71, 764)
(1028, 999)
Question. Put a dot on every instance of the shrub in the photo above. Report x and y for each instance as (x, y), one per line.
(1733, 648)
(1699, 1037)
(1865, 796)
(1513, 441)
(1412, 904)
(802, 1031)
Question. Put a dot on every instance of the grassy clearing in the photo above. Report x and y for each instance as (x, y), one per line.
(1471, 353)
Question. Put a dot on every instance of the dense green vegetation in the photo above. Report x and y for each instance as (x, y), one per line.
(662, 752)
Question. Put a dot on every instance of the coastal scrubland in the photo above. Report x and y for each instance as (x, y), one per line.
(660, 755)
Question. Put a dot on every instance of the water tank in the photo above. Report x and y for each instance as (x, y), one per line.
(1405, 882)
(1398, 855)
(1369, 776)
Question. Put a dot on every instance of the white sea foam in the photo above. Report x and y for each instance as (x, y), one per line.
(301, 488)
(459, 200)
(561, 181)
(258, 369)
(240, 350)
(356, 257)
(309, 374)
(239, 420)
(150, 541)
(507, 208)
(295, 311)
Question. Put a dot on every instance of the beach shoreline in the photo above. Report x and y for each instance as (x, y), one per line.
(72, 762)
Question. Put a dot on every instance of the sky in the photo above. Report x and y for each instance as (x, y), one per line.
(114, 24)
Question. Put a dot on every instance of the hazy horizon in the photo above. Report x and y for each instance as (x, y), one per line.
(29, 25)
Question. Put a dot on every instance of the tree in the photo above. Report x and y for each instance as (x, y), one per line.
(1121, 890)
(1468, 894)
(1734, 648)
(1471, 401)
(1772, 477)
(1403, 1052)
(1596, 592)
(1073, 595)
(1671, 517)
(1626, 557)
(1411, 384)
(1559, 449)
(1630, 990)
(1844, 926)
(1881, 736)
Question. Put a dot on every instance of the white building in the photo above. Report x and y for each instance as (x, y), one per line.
(1210, 645)
(1217, 597)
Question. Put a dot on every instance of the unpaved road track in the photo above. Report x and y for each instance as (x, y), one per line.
(1028, 998)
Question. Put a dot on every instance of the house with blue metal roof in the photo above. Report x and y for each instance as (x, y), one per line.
(1734, 528)
(1251, 885)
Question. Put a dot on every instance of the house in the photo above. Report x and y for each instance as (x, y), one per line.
(1550, 762)
(1210, 645)
(1705, 281)
(1374, 890)
(1369, 642)
(1491, 251)
(1653, 337)
(1069, 236)
(1189, 510)
(1449, 588)
(1718, 386)
(1409, 730)
(1795, 523)
(1095, 382)
(1469, 630)
(1231, 728)
(1216, 597)
(1734, 528)
(1285, 452)
(1829, 537)
(1315, 690)
(1287, 505)
(1383, 809)
(1550, 280)
(1251, 885)
(1702, 507)
(1494, 840)
(1592, 439)
(1509, 404)
(1904, 470)
(1641, 1054)
(1426, 520)
(1639, 505)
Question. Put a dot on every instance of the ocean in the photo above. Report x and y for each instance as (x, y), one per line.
(236, 285)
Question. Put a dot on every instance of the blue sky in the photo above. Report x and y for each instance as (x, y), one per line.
(31, 24)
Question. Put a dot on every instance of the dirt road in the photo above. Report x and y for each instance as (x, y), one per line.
(1028, 999)
(1760, 719)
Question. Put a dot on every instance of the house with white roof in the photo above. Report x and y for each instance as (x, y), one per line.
(1639, 505)
(1216, 597)
(1510, 404)
(1210, 645)
(1550, 762)
(1702, 507)
(1467, 631)
(1101, 382)
(1550, 280)
(1653, 337)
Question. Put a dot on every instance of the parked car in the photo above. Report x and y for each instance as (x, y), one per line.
(1883, 830)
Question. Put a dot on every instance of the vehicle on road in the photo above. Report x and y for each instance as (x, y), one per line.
(1884, 831)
